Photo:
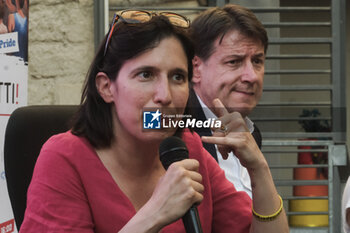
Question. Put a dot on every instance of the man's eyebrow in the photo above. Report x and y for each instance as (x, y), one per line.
(243, 55)
(235, 54)
(181, 71)
(259, 55)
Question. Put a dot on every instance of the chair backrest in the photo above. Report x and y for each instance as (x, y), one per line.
(27, 130)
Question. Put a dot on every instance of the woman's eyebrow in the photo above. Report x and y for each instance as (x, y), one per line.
(144, 68)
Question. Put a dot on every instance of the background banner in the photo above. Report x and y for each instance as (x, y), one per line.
(13, 84)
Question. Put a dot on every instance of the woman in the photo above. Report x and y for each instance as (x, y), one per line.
(105, 174)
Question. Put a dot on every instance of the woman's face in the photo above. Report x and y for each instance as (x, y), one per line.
(158, 78)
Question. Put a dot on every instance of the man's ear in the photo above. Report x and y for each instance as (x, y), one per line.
(103, 84)
(197, 63)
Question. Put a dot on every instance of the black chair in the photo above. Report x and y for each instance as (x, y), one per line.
(27, 130)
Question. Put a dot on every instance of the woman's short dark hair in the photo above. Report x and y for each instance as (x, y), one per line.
(94, 117)
(216, 22)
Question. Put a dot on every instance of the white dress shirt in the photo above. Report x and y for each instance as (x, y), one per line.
(345, 205)
(234, 171)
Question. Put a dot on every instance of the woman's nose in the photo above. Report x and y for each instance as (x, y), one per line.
(162, 94)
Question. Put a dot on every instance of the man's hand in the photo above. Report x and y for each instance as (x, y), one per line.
(235, 136)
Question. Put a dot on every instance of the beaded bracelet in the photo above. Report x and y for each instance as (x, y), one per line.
(266, 218)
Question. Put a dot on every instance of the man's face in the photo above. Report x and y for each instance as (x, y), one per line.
(234, 73)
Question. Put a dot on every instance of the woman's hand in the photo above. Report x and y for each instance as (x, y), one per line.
(175, 193)
(178, 190)
(235, 136)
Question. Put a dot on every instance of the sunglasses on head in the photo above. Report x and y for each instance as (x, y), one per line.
(139, 16)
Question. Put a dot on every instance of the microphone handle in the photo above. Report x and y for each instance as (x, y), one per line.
(191, 221)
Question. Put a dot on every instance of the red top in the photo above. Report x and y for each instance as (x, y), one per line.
(72, 191)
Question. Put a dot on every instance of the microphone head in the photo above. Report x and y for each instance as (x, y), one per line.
(172, 149)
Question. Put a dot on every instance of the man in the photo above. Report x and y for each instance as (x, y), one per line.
(230, 48)
(346, 207)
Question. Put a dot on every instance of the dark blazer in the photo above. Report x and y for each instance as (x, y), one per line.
(195, 109)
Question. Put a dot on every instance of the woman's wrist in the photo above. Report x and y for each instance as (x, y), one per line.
(141, 223)
(145, 220)
(270, 217)
(259, 168)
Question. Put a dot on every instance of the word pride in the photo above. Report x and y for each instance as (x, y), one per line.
(9, 42)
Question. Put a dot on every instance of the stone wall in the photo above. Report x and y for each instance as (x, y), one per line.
(61, 47)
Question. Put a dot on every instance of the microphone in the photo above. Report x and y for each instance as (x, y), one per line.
(173, 149)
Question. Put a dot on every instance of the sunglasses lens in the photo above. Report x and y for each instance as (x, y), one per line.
(177, 20)
(140, 16)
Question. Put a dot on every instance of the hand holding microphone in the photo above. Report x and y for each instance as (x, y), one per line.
(176, 193)
(174, 157)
